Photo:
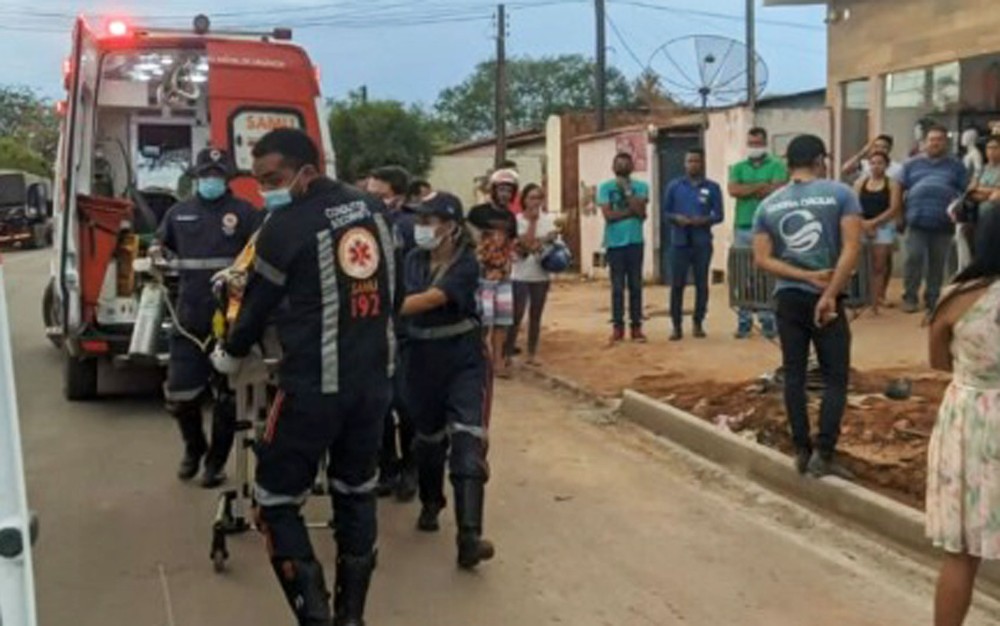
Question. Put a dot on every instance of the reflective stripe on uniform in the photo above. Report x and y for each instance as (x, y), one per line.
(476, 431)
(442, 332)
(437, 437)
(389, 252)
(330, 296)
(217, 263)
(266, 498)
(269, 272)
(365, 488)
(183, 395)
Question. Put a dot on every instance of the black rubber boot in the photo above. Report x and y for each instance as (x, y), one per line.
(354, 574)
(406, 485)
(430, 481)
(469, 500)
(305, 589)
(223, 435)
(189, 420)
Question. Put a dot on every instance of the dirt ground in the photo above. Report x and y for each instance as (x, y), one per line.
(883, 441)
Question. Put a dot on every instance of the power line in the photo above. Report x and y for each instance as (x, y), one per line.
(716, 15)
(625, 44)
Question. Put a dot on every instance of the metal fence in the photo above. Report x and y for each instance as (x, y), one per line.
(752, 288)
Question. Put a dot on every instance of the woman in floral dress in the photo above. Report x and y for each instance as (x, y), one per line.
(963, 473)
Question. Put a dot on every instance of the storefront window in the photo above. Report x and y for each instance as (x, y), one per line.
(945, 84)
(915, 98)
(854, 117)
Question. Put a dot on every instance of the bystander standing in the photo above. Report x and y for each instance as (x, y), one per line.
(750, 181)
(692, 205)
(623, 201)
(536, 228)
(881, 204)
(809, 236)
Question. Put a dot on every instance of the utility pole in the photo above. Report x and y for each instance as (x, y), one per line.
(751, 56)
(364, 94)
(602, 66)
(500, 121)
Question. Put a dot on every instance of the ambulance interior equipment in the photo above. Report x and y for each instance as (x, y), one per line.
(140, 104)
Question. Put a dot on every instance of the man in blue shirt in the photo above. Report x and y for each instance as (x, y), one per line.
(808, 235)
(623, 203)
(692, 205)
(932, 181)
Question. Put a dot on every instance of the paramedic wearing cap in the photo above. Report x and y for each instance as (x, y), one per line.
(324, 273)
(808, 234)
(447, 373)
(202, 235)
(496, 226)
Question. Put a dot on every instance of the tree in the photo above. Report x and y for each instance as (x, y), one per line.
(16, 156)
(29, 119)
(536, 88)
(370, 134)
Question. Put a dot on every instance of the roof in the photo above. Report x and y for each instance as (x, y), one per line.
(787, 98)
(521, 138)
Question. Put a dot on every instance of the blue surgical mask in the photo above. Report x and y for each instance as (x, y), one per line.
(212, 188)
(280, 198)
(426, 237)
(277, 198)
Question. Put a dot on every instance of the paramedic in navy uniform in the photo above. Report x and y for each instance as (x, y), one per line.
(202, 235)
(446, 364)
(324, 273)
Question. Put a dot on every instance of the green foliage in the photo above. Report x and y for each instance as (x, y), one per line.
(15, 156)
(370, 134)
(30, 120)
(536, 88)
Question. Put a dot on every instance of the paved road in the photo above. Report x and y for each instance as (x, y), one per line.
(596, 525)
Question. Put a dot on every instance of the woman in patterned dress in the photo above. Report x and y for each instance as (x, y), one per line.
(963, 473)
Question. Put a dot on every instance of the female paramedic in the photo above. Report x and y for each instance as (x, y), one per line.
(447, 369)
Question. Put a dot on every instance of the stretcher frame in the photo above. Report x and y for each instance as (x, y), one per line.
(252, 387)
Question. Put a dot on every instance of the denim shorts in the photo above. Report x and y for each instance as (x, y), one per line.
(885, 235)
(496, 302)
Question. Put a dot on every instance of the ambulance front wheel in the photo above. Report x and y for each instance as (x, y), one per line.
(79, 378)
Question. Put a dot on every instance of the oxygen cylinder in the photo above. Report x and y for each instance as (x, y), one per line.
(145, 333)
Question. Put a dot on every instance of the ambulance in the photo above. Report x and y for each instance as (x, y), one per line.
(140, 103)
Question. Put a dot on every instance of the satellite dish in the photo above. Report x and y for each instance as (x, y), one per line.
(705, 71)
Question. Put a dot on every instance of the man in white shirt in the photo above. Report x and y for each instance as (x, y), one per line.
(858, 164)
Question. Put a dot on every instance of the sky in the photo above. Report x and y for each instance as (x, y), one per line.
(410, 50)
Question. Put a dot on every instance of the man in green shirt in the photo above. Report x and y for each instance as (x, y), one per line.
(750, 181)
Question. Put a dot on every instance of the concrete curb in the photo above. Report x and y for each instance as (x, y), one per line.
(875, 513)
(572, 387)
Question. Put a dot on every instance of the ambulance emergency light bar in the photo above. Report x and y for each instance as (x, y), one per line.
(119, 28)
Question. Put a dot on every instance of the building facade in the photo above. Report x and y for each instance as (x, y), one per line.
(897, 65)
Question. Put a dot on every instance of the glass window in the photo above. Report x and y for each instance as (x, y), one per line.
(249, 125)
(854, 117)
(856, 95)
(906, 90)
(945, 85)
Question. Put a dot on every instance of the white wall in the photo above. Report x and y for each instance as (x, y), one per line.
(595, 167)
(553, 157)
(457, 173)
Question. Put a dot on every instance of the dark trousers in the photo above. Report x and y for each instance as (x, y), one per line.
(528, 295)
(684, 259)
(926, 255)
(397, 435)
(626, 271)
(301, 430)
(449, 393)
(797, 329)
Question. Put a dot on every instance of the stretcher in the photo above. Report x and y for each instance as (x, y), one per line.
(254, 388)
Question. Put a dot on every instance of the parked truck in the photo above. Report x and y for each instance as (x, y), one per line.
(140, 103)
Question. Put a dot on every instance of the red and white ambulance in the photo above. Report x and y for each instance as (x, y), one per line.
(140, 103)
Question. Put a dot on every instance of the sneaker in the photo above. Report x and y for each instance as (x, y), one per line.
(699, 332)
(677, 335)
(617, 336)
(821, 465)
(638, 336)
(802, 458)
(911, 308)
(189, 466)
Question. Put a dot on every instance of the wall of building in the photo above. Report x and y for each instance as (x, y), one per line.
(594, 158)
(457, 173)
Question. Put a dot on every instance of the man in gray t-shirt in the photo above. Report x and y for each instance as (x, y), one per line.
(808, 234)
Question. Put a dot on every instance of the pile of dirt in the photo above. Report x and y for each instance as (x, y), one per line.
(883, 441)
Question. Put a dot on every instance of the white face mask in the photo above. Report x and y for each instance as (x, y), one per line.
(756, 153)
(426, 237)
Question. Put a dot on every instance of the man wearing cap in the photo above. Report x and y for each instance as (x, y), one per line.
(808, 234)
(496, 227)
(201, 236)
(447, 373)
